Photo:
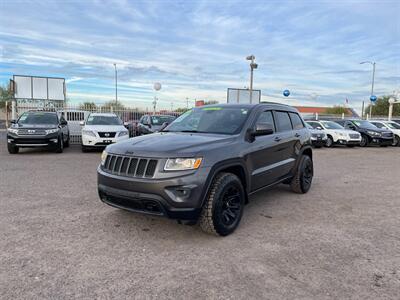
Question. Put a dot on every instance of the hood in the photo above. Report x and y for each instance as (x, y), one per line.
(167, 144)
(316, 131)
(105, 128)
(345, 131)
(380, 130)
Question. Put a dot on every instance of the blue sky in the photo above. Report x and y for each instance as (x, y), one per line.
(197, 49)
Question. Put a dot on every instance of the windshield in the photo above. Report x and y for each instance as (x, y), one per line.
(392, 125)
(222, 120)
(331, 125)
(309, 126)
(35, 118)
(364, 124)
(159, 120)
(103, 120)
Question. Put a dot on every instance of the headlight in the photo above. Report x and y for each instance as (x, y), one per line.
(340, 133)
(179, 164)
(373, 133)
(122, 133)
(103, 157)
(88, 132)
(13, 130)
(48, 131)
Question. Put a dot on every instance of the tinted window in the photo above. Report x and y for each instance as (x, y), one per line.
(159, 120)
(379, 125)
(283, 121)
(297, 122)
(211, 119)
(266, 117)
(35, 118)
(313, 124)
(103, 120)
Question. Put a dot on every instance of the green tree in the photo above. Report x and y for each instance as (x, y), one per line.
(114, 105)
(337, 110)
(381, 107)
(181, 109)
(5, 95)
(210, 102)
(88, 106)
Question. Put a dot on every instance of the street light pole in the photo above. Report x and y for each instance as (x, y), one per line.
(116, 84)
(373, 83)
(253, 66)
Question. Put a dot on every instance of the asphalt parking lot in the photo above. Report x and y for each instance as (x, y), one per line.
(339, 241)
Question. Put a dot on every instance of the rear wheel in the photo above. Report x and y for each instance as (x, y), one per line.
(12, 149)
(223, 209)
(364, 141)
(302, 180)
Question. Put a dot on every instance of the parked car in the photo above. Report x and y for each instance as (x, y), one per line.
(370, 134)
(393, 127)
(38, 129)
(102, 129)
(204, 166)
(153, 123)
(318, 136)
(336, 134)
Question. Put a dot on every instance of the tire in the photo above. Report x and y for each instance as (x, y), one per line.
(12, 149)
(396, 141)
(223, 209)
(60, 145)
(66, 145)
(329, 142)
(364, 141)
(302, 180)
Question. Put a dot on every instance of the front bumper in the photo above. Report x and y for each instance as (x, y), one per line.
(177, 197)
(382, 141)
(348, 142)
(91, 141)
(318, 141)
(31, 141)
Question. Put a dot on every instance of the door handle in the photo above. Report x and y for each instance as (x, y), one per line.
(297, 135)
(277, 139)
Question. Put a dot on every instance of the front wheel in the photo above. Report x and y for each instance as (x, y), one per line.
(329, 142)
(396, 141)
(223, 209)
(60, 145)
(12, 149)
(302, 180)
(364, 141)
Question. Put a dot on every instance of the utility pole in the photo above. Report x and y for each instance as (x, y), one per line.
(172, 106)
(187, 102)
(253, 66)
(373, 82)
(116, 84)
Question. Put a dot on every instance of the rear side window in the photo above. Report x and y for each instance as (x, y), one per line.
(282, 121)
(266, 117)
(297, 122)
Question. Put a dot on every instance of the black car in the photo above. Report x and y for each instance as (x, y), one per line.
(38, 129)
(153, 123)
(204, 166)
(370, 134)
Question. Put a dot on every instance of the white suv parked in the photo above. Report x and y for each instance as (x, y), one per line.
(392, 126)
(336, 134)
(102, 129)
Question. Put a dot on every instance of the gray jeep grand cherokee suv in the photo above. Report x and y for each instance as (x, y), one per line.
(204, 166)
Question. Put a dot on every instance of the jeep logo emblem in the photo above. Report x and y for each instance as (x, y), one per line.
(31, 131)
(107, 134)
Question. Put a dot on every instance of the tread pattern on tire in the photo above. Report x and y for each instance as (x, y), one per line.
(206, 221)
(296, 181)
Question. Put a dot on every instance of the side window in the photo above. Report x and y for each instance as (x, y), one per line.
(283, 121)
(266, 117)
(297, 122)
(379, 125)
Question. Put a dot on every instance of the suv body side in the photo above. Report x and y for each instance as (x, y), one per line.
(259, 162)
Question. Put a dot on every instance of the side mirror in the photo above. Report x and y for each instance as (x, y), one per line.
(319, 128)
(13, 121)
(63, 122)
(82, 123)
(263, 129)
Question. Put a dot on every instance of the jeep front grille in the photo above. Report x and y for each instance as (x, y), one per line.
(130, 166)
(354, 136)
(31, 132)
(106, 134)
